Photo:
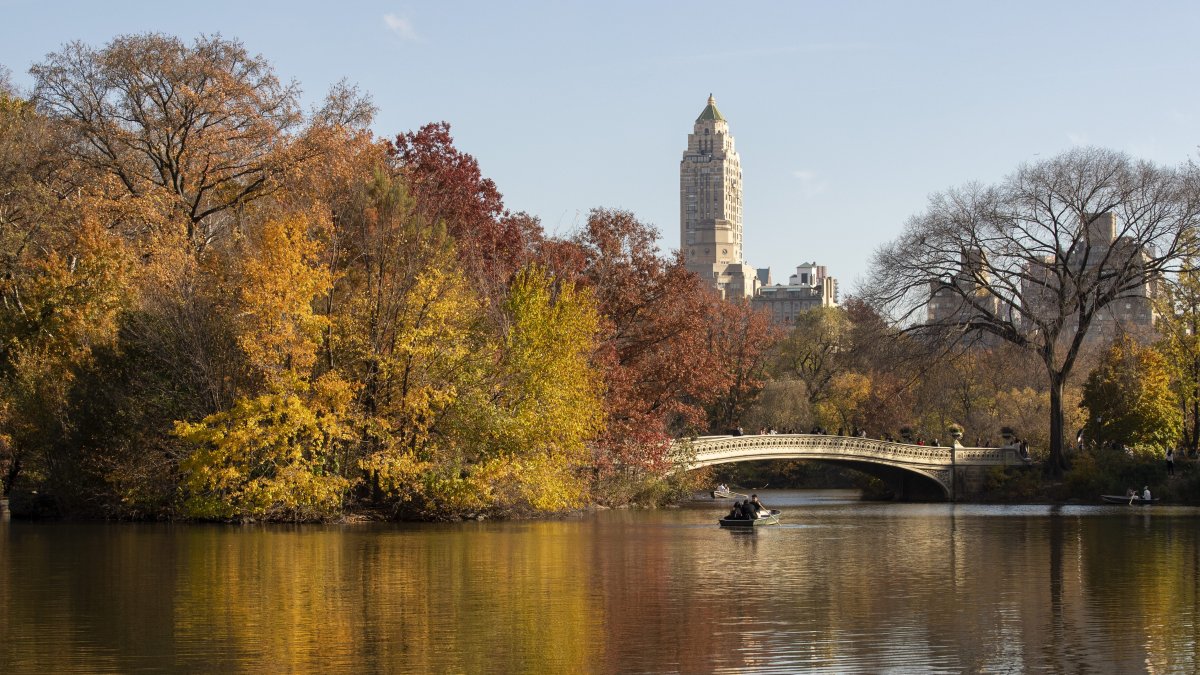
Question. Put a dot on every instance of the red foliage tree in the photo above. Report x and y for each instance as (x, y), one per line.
(659, 369)
(740, 337)
(447, 185)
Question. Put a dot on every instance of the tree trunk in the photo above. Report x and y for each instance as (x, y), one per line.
(10, 478)
(1194, 441)
(1058, 459)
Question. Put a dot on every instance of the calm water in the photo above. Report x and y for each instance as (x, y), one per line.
(840, 587)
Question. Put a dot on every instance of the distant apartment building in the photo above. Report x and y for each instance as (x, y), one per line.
(956, 301)
(964, 296)
(810, 287)
(710, 207)
(710, 228)
(1132, 313)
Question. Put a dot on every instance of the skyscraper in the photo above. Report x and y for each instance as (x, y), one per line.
(710, 206)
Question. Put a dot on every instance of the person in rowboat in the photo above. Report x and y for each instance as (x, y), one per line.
(1146, 493)
(755, 507)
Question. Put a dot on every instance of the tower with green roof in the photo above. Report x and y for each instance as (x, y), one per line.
(710, 206)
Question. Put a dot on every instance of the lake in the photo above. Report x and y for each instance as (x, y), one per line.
(840, 586)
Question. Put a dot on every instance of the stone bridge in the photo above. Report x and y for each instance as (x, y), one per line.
(911, 471)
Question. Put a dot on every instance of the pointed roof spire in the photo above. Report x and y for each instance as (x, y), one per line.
(710, 111)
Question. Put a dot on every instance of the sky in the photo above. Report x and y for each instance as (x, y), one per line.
(847, 115)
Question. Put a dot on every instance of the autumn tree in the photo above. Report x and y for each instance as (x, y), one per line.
(448, 187)
(1129, 398)
(62, 281)
(1032, 261)
(269, 456)
(405, 328)
(814, 350)
(527, 427)
(987, 389)
(782, 405)
(741, 339)
(1179, 327)
(842, 407)
(894, 365)
(658, 371)
(203, 127)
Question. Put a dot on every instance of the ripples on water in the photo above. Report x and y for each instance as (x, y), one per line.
(839, 587)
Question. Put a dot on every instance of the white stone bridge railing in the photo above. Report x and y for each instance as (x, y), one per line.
(938, 463)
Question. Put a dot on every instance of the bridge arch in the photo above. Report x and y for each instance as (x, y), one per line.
(893, 462)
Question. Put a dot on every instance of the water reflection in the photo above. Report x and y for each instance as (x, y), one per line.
(840, 586)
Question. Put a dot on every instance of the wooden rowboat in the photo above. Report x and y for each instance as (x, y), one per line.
(1131, 501)
(771, 518)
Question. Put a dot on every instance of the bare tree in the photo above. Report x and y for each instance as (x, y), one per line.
(1040, 259)
(208, 123)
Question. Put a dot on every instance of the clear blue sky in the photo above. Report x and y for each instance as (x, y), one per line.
(847, 115)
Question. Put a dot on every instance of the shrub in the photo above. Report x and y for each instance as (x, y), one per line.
(1014, 483)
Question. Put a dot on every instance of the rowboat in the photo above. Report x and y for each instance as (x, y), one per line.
(1132, 501)
(728, 494)
(771, 518)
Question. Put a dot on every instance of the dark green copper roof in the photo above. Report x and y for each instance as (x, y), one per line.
(710, 111)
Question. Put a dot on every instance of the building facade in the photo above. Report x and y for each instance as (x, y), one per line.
(810, 287)
(965, 296)
(1132, 313)
(968, 295)
(710, 207)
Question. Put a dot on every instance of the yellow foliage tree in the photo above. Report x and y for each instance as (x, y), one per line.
(270, 456)
(407, 327)
(542, 400)
(1129, 398)
(280, 453)
(846, 393)
(281, 275)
